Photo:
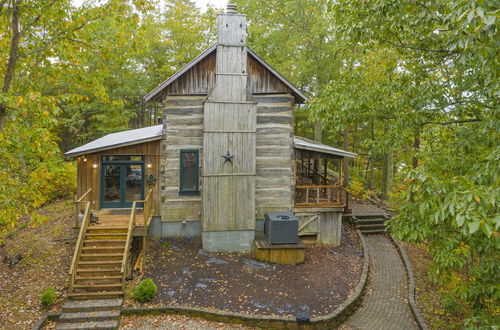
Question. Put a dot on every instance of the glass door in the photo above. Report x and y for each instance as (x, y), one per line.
(121, 184)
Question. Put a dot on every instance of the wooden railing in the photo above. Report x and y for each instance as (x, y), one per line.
(148, 208)
(128, 242)
(80, 205)
(319, 196)
(304, 171)
(79, 241)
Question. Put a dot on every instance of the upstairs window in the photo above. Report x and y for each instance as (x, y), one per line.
(189, 172)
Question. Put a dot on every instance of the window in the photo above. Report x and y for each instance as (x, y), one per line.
(126, 158)
(189, 172)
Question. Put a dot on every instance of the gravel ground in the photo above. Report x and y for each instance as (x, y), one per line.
(174, 322)
(187, 276)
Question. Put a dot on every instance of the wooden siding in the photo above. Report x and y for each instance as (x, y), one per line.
(89, 177)
(201, 78)
(183, 129)
(196, 80)
(274, 151)
(229, 188)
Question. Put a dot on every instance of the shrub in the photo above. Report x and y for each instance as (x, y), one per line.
(49, 296)
(145, 291)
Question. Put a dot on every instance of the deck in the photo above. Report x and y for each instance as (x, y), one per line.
(120, 218)
(279, 253)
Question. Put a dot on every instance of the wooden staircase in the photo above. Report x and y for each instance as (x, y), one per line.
(369, 224)
(100, 264)
(98, 273)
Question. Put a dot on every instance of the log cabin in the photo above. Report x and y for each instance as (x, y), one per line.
(223, 157)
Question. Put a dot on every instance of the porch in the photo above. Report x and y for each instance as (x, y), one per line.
(318, 175)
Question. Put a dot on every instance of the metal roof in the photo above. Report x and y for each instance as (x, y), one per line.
(306, 144)
(151, 133)
(115, 140)
(151, 96)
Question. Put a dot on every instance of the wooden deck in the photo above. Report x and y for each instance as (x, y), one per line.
(120, 218)
(278, 253)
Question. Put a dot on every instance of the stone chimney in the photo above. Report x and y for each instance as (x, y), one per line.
(231, 75)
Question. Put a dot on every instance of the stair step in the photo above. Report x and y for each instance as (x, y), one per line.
(106, 242)
(371, 226)
(73, 317)
(370, 216)
(373, 232)
(98, 287)
(370, 221)
(109, 229)
(101, 256)
(113, 324)
(92, 305)
(80, 280)
(95, 295)
(100, 264)
(97, 272)
(102, 249)
(105, 236)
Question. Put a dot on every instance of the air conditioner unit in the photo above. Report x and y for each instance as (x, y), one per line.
(281, 227)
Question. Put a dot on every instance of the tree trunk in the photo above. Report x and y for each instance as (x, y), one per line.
(318, 136)
(388, 173)
(416, 149)
(346, 160)
(11, 63)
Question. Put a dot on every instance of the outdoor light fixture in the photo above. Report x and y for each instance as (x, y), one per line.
(84, 159)
(149, 165)
(94, 165)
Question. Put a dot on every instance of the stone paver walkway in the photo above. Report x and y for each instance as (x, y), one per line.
(385, 303)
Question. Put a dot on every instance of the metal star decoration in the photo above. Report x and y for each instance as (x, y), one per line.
(228, 157)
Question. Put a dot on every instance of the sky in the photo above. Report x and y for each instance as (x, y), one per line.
(200, 3)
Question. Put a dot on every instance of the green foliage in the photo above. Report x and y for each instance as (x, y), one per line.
(145, 291)
(49, 296)
(83, 77)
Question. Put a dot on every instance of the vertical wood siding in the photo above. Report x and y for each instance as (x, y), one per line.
(229, 188)
(89, 177)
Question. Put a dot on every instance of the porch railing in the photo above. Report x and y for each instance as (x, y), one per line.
(319, 196)
(80, 205)
(305, 171)
(148, 208)
(83, 229)
(128, 242)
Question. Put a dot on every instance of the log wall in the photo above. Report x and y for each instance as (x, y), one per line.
(182, 129)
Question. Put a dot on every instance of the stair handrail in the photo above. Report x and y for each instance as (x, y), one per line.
(79, 244)
(79, 202)
(148, 207)
(131, 225)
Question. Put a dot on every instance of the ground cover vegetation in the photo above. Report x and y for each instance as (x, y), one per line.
(410, 86)
(34, 262)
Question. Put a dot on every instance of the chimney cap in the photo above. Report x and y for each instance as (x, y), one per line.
(231, 8)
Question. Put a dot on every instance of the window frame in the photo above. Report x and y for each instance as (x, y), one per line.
(183, 191)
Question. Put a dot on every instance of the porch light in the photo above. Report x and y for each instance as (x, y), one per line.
(95, 165)
(149, 165)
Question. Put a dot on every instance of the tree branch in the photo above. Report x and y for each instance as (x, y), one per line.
(401, 45)
(11, 64)
(446, 123)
